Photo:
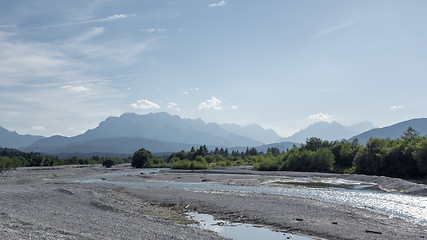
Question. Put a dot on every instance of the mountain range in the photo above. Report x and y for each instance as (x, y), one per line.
(15, 140)
(394, 131)
(330, 131)
(162, 132)
(158, 132)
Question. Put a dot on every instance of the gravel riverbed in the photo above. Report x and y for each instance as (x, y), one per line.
(32, 207)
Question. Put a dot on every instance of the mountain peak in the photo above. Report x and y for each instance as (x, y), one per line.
(14, 140)
(394, 131)
(330, 131)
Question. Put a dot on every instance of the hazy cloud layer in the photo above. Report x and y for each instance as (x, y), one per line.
(68, 65)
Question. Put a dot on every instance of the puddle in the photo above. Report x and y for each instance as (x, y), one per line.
(238, 231)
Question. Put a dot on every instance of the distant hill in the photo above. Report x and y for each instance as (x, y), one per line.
(118, 145)
(253, 131)
(394, 131)
(157, 132)
(10, 139)
(329, 131)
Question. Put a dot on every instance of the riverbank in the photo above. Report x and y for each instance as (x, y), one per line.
(33, 208)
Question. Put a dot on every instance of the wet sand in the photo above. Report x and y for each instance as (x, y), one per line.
(32, 208)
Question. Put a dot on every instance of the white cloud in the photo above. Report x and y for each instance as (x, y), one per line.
(213, 103)
(219, 4)
(186, 92)
(117, 16)
(75, 88)
(333, 29)
(174, 106)
(26, 61)
(145, 104)
(156, 30)
(396, 107)
(38, 128)
(320, 117)
(235, 107)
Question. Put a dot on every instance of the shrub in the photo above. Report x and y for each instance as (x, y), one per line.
(108, 163)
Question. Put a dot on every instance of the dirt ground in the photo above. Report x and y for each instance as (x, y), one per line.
(32, 207)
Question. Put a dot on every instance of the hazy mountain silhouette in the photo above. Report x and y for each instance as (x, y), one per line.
(394, 131)
(122, 145)
(329, 131)
(162, 132)
(165, 127)
(157, 132)
(253, 131)
(14, 140)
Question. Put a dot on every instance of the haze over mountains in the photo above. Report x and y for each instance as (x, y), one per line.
(15, 140)
(162, 132)
(394, 131)
(158, 132)
(329, 131)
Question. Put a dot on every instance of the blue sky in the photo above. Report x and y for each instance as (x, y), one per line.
(67, 65)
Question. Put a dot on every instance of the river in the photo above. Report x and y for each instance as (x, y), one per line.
(408, 207)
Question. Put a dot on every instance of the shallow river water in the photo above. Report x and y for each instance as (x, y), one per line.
(408, 207)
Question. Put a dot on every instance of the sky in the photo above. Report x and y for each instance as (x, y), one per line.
(65, 66)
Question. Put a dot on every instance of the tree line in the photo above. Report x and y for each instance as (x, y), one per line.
(12, 158)
(405, 157)
(198, 158)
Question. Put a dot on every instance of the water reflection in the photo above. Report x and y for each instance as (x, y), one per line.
(239, 231)
(409, 207)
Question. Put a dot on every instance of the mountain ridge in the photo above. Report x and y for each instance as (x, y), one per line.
(14, 140)
(155, 131)
(330, 131)
(394, 131)
(162, 132)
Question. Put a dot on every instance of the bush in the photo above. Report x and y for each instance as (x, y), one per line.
(268, 165)
(192, 165)
(108, 163)
(7, 163)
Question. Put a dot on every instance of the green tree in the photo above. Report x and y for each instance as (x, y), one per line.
(420, 154)
(322, 161)
(410, 134)
(346, 156)
(368, 159)
(140, 158)
(108, 163)
(313, 143)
